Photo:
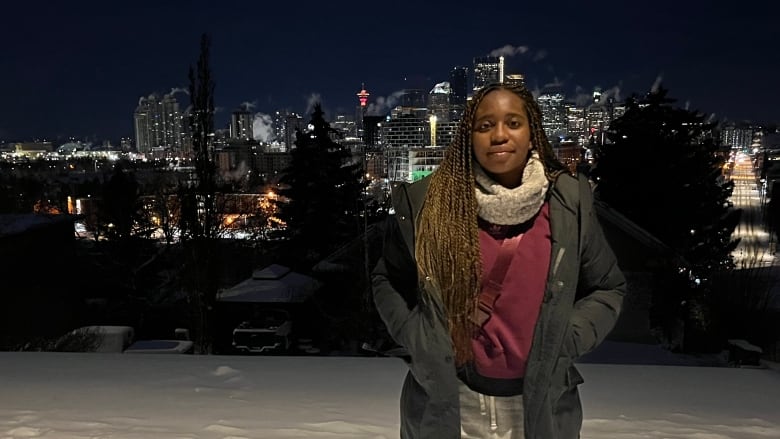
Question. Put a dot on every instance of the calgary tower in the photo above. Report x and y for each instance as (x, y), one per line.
(361, 110)
(363, 97)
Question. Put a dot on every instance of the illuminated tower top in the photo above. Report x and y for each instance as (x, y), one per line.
(363, 96)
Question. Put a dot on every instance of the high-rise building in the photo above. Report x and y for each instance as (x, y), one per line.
(412, 164)
(445, 133)
(576, 126)
(737, 135)
(372, 131)
(413, 98)
(551, 102)
(439, 102)
(459, 86)
(159, 125)
(487, 70)
(293, 122)
(600, 114)
(515, 78)
(345, 125)
(278, 124)
(406, 131)
(413, 102)
(241, 123)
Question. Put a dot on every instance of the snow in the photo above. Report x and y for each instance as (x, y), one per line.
(82, 395)
(112, 338)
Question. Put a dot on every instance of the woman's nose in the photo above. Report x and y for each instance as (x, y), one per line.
(499, 134)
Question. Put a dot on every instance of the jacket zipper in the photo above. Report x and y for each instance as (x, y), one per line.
(553, 271)
(558, 258)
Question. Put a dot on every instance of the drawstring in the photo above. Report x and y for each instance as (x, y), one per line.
(493, 417)
(488, 408)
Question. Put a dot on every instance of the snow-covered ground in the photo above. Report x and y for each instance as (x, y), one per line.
(80, 396)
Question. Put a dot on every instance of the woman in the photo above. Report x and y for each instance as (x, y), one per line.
(495, 276)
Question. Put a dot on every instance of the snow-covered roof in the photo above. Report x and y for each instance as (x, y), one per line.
(442, 87)
(272, 284)
(14, 224)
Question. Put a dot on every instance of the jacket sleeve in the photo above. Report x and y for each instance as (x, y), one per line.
(601, 284)
(394, 283)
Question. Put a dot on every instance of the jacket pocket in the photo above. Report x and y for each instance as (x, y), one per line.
(427, 344)
(569, 346)
(573, 377)
(564, 382)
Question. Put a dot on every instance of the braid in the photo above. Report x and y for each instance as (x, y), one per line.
(447, 243)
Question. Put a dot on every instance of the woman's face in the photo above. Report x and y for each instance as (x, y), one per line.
(501, 137)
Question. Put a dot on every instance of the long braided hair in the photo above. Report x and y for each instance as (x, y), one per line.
(447, 244)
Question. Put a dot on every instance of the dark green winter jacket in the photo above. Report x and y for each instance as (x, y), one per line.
(584, 293)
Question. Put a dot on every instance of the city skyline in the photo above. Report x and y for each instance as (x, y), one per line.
(80, 70)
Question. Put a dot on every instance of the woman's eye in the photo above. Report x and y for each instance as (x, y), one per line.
(484, 126)
(515, 124)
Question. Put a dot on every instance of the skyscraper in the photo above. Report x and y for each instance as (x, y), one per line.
(551, 102)
(413, 102)
(241, 123)
(372, 130)
(439, 102)
(158, 124)
(515, 78)
(293, 122)
(459, 86)
(487, 69)
(413, 98)
(279, 124)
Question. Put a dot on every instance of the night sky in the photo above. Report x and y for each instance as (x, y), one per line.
(79, 68)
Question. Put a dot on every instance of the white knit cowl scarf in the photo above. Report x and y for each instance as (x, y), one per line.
(500, 205)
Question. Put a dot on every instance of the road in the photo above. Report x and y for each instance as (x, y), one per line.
(756, 249)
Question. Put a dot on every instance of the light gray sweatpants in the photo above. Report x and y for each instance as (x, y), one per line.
(490, 417)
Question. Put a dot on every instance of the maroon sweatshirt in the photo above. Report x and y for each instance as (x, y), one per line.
(502, 345)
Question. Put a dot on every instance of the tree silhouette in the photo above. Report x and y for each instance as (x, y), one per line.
(322, 184)
(165, 205)
(18, 194)
(200, 220)
(119, 211)
(662, 169)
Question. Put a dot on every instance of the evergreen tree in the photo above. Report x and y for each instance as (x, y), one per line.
(119, 212)
(663, 170)
(323, 187)
(18, 194)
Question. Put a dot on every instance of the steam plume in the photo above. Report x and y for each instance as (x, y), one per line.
(382, 105)
(262, 128)
(509, 50)
(657, 84)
